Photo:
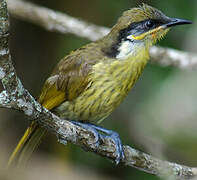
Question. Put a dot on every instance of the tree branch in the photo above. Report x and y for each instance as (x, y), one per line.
(59, 22)
(15, 96)
(55, 21)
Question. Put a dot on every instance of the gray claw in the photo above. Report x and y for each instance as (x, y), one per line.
(109, 134)
(119, 148)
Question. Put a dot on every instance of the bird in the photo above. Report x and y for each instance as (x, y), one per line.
(88, 84)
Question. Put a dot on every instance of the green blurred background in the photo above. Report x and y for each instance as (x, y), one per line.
(158, 116)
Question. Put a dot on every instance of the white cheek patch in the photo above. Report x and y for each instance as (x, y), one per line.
(125, 49)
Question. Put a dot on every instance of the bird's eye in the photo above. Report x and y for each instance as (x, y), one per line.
(149, 24)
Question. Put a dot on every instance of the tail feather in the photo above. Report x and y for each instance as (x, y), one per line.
(28, 143)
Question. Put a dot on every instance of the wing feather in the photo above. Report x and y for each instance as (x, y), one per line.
(70, 77)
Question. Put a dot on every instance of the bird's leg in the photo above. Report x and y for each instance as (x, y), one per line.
(115, 137)
(89, 128)
(109, 134)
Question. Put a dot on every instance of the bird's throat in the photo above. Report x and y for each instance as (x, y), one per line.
(125, 49)
(129, 49)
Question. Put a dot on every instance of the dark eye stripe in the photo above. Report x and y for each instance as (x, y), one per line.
(134, 28)
(141, 26)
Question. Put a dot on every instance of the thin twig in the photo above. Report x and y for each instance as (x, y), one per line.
(15, 96)
(60, 22)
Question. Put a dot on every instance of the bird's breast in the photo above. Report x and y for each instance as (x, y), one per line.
(109, 83)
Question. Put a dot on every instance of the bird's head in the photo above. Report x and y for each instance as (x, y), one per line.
(143, 25)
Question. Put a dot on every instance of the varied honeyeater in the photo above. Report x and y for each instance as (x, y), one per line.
(90, 82)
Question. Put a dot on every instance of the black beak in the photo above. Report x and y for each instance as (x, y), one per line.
(176, 21)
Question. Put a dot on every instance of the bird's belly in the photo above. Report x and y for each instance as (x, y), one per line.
(97, 101)
(106, 90)
(94, 104)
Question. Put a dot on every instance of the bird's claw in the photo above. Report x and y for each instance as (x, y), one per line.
(91, 129)
(109, 134)
(118, 145)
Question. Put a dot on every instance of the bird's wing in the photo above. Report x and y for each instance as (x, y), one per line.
(69, 78)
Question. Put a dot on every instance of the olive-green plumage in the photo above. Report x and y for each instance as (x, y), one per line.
(89, 83)
(101, 85)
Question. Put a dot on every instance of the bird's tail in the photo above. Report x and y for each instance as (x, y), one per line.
(27, 144)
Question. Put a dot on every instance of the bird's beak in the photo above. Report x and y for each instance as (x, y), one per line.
(169, 23)
(176, 21)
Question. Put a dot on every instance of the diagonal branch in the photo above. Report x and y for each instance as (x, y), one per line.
(60, 22)
(15, 96)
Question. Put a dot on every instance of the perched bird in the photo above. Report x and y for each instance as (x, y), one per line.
(89, 83)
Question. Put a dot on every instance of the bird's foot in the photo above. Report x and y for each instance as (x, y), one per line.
(91, 129)
(109, 134)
